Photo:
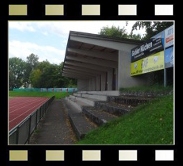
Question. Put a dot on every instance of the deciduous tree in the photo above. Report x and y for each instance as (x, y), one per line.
(16, 72)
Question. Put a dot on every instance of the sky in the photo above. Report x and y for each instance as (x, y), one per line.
(48, 39)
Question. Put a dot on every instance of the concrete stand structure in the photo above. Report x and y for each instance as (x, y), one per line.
(100, 63)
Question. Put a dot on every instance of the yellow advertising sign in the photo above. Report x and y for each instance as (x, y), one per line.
(151, 63)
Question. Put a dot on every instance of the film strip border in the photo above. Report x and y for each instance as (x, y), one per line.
(90, 155)
(90, 10)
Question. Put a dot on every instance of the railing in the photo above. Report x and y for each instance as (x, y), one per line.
(48, 89)
(21, 133)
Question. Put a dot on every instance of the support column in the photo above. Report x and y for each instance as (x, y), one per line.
(90, 84)
(82, 85)
(103, 81)
(93, 84)
(109, 79)
(116, 78)
(98, 83)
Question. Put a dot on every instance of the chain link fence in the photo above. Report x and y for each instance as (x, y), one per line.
(21, 133)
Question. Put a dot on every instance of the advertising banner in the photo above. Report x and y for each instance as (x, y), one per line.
(43, 89)
(151, 46)
(169, 39)
(151, 63)
(169, 58)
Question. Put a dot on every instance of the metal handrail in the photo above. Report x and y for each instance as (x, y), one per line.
(15, 130)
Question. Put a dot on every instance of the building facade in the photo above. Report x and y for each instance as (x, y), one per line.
(100, 63)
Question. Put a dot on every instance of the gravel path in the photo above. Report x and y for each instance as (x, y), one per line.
(55, 127)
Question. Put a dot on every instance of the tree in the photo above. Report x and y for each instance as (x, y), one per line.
(65, 81)
(49, 75)
(31, 64)
(118, 32)
(32, 60)
(151, 27)
(35, 78)
(134, 36)
(114, 32)
(39, 74)
(16, 72)
(42, 65)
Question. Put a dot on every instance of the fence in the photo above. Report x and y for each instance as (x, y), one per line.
(48, 89)
(21, 133)
(59, 89)
(28, 89)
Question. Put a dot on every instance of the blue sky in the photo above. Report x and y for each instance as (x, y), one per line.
(48, 39)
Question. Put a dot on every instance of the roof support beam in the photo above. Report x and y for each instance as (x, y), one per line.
(73, 75)
(97, 54)
(89, 66)
(100, 62)
(104, 43)
(83, 69)
(79, 72)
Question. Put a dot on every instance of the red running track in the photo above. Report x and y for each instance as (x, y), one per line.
(21, 107)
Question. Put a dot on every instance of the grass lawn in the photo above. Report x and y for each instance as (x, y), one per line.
(151, 123)
(57, 95)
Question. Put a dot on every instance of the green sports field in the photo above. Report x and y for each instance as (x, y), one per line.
(57, 95)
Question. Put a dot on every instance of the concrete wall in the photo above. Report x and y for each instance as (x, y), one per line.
(103, 81)
(82, 85)
(98, 84)
(124, 78)
(90, 84)
(109, 79)
(116, 71)
(93, 83)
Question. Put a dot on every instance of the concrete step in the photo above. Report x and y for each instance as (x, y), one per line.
(75, 103)
(77, 94)
(97, 115)
(96, 97)
(129, 100)
(91, 96)
(80, 125)
(104, 93)
(87, 101)
(113, 108)
(78, 121)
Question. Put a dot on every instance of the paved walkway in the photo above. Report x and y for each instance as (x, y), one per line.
(55, 127)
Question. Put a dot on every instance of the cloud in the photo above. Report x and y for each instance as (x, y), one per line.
(24, 49)
(45, 33)
(53, 32)
(21, 26)
(62, 28)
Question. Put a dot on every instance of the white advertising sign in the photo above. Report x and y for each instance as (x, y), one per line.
(169, 36)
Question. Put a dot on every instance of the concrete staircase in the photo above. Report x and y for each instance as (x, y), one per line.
(89, 109)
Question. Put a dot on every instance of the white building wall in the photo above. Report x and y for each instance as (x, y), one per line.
(124, 78)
